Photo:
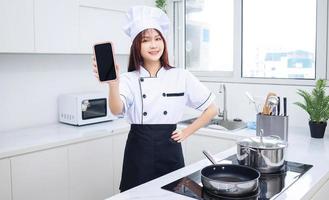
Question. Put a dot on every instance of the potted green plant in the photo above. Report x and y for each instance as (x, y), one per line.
(161, 4)
(316, 104)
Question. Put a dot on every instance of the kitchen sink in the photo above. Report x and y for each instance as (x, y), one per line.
(220, 124)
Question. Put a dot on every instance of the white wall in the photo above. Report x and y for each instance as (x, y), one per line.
(31, 83)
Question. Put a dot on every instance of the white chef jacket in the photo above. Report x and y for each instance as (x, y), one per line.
(161, 99)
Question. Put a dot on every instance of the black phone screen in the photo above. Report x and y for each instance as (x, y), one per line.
(105, 61)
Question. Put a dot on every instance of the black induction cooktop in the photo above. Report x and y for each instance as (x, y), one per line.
(270, 185)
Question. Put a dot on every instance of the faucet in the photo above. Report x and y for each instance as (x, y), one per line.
(222, 90)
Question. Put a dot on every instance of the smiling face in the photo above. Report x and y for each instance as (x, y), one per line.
(140, 48)
(152, 46)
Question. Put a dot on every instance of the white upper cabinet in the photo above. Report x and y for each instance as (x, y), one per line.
(16, 22)
(56, 26)
(99, 25)
(122, 5)
(63, 26)
(102, 20)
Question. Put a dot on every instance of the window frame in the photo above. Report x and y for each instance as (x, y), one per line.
(322, 43)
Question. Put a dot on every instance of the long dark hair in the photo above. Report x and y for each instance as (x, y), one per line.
(135, 57)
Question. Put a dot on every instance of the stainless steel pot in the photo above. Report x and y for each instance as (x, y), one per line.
(266, 154)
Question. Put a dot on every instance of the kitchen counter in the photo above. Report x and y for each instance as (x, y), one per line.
(13, 143)
(302, 148)
(27, 140)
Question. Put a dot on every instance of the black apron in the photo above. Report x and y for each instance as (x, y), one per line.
(150, 153)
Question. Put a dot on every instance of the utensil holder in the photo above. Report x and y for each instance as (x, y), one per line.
(272, 125)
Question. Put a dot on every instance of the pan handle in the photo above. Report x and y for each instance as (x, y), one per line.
(209, 156)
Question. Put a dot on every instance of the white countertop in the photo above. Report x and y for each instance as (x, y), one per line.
(13, 143)
(27, 140)
(302, 148)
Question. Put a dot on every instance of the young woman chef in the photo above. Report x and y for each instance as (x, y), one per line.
(153, 95)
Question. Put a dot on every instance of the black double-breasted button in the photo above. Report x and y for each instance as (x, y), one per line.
(165, 112)
(144, 96)
(142, 79)
(144, 113)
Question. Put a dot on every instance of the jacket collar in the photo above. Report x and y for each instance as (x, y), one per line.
(146, 74)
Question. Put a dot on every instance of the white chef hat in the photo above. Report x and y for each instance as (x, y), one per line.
(140, 18)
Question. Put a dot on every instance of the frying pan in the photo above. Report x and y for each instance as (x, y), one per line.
(228, 179)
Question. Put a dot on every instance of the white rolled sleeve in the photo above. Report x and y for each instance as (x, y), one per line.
(198, 95)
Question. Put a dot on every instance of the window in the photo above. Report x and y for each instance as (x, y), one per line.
(279, 38)
(267, 41)
(209, 35)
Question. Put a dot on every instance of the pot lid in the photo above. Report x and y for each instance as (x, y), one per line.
(268, 142)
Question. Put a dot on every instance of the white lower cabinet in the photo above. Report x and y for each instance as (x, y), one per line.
(5, 182)
(119, 143)
(322, 193)
(91, 170)
(40, 175)
(197, 142)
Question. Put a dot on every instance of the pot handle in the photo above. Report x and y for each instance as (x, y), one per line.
(248, 149)
(255, 150)
(246, 152)
(275, 136)
(278, 138)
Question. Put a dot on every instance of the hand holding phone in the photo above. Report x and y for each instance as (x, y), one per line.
(105, 61)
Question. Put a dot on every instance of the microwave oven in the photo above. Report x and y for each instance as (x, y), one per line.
(84, 108)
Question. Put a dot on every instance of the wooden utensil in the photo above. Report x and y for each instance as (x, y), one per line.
(266, 107)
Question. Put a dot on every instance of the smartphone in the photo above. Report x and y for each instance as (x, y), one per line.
(105, 61)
